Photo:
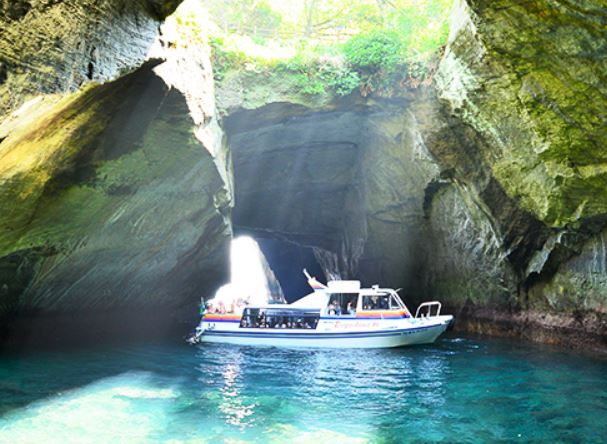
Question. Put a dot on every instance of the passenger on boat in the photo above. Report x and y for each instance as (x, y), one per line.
(331, 308)
(352, 307)
(383, 302)
(222, 307)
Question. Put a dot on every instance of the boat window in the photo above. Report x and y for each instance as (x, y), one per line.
(279, 318)
(395, 304)
(342, 304)
(376, 302)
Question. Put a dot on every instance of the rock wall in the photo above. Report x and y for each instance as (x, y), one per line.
(346, 179)
(57, 46)
(116, 198)
(528, 77)
(471, 191)
(485, 190)
(521, 89)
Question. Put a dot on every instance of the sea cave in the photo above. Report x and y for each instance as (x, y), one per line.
(453, 150)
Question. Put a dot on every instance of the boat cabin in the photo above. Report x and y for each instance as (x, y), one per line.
(340, 299)
(346, 298)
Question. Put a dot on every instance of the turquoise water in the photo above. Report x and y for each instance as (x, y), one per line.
(457, 390)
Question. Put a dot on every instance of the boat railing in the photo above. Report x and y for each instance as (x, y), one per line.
(425, 309)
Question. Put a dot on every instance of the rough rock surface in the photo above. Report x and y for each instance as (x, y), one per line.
(522, 84)
(485, 190)
(110, 201)
(529, 77)
(347, 179)
(57, 46)
(421, 192)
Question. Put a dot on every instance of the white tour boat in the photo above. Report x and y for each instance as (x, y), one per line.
(339, 315)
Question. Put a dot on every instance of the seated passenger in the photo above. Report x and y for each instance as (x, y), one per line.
(352, 307)
(331, 308)
(338, 310)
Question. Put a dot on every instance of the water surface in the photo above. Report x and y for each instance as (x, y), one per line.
(457, 390)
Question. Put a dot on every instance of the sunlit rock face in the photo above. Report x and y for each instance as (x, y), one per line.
(57, 46)
(485, 190)
(522, 90)
(346, 178)
(115, 198)
(528, 77)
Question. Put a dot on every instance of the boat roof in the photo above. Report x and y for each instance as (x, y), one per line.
(319, 298)
(343, 286)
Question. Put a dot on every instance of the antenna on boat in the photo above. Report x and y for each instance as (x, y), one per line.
(305, 272)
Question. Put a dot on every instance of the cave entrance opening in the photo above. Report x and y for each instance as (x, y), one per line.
(286, 261)
(297, 187)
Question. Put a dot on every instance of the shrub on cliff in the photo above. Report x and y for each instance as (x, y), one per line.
(378, 50)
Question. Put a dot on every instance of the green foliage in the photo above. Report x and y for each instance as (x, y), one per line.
(377, 50)
(223, 60)
(267, 19)
(342, 80)
(336, 46)
(248, 17)
(320, 76)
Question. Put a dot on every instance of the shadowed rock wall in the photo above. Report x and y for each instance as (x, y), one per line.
(347, 179)
(485, 190)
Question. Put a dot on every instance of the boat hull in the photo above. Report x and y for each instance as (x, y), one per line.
(423, 333)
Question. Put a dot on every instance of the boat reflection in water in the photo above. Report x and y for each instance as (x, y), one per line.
(339, 315)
